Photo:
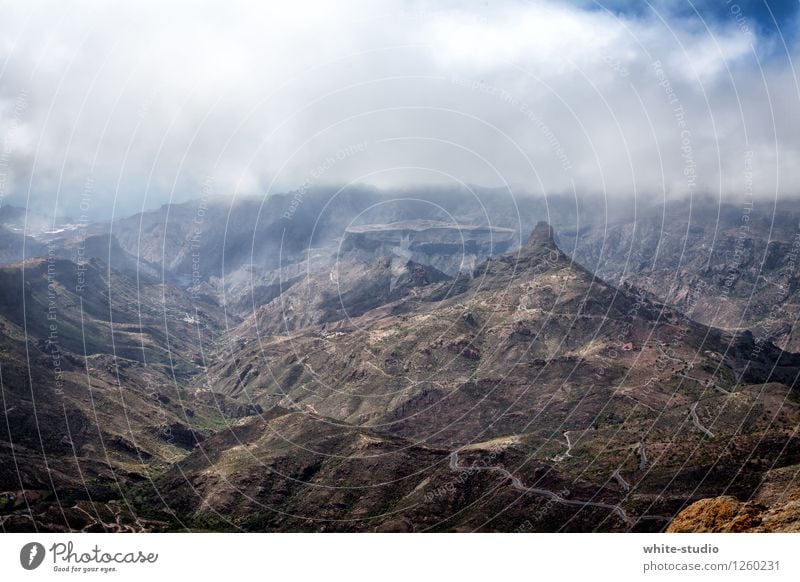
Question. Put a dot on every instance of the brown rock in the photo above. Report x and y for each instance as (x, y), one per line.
(542, 235)
(718, 514)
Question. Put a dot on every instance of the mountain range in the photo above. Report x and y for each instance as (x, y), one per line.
(369, 361)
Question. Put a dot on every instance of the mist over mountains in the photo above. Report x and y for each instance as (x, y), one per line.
(399, 266)
(131, 107)
(359, 360)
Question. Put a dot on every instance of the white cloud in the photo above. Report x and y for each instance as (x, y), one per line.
(147, 99)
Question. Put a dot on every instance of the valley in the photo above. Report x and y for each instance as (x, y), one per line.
(366, 366)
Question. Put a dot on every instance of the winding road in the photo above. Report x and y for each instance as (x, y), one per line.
(706, 383)
(566, 454)
(517, 484)
(621, 480)
(696, 420)
(642, 457)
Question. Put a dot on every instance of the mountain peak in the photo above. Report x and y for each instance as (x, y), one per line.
(542, 235)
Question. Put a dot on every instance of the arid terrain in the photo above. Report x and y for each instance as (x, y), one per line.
(275, 366)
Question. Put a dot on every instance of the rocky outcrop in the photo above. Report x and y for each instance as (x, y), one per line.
(718, 515)
(543, 235)
(729, 515)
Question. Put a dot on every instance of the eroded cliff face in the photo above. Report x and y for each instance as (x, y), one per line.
(450, 248)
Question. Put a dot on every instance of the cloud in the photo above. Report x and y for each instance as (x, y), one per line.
(137, 104)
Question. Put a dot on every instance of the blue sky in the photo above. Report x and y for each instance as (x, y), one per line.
(767, 17)
(761, 11)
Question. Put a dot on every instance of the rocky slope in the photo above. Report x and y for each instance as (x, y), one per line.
(356, 388)
(93, 397)
(544, 373)
(730, 266)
